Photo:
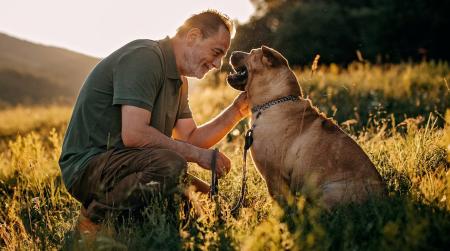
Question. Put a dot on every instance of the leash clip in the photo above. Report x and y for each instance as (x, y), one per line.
(248, 139)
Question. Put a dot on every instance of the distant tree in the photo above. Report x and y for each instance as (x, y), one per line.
(381, 30)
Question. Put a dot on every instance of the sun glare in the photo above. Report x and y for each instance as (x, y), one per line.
(98, 27)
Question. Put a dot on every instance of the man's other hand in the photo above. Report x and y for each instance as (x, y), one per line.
(223, 163)
(241, 104)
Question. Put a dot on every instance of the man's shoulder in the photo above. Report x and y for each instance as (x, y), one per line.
(143, 45)
(141, 51)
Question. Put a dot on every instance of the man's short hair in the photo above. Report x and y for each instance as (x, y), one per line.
(208, 22)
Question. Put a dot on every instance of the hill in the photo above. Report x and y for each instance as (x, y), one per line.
(32, 73)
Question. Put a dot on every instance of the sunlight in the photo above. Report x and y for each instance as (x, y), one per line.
(99, 27)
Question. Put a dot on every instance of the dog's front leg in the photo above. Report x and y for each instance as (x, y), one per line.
(279, 191)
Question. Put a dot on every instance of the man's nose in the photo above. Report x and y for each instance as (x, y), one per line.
(217, 63)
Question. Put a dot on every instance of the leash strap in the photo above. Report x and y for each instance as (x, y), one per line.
(247, 145)
(249, 141)
(214, 189)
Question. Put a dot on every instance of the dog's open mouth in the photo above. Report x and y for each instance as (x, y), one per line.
(238, 79)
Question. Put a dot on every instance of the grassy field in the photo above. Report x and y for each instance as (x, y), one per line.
(395, 112)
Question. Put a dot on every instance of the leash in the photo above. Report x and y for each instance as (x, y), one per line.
(247, 144)
(249, 141)
(214, 189)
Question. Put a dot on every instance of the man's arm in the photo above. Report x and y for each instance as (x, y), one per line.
(136, 132)
(213, 131)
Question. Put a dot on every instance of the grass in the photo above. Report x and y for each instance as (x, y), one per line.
(37, 212)
(20, 120)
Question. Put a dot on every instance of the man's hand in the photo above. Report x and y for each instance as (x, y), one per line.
(210, 133)
(223, 163)
(241, 104)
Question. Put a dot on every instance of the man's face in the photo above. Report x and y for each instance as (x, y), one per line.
(205, 54)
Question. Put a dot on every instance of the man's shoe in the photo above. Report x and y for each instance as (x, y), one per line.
(87, 228)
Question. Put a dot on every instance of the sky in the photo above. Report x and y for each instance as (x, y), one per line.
(98, 27)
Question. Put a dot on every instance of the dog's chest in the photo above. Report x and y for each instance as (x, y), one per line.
(269, 145)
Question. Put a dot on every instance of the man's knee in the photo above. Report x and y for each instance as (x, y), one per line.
(168, 167)
(176, 164)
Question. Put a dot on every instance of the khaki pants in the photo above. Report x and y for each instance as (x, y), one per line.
(125, 179)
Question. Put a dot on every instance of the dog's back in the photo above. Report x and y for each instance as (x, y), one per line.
(337, 169)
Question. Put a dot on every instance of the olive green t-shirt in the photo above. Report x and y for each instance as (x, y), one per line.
(142, 73)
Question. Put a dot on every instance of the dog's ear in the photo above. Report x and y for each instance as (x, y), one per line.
(272, 58)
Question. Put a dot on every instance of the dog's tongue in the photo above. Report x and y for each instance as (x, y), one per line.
(231, 78)
(236, 81)
(237, 77)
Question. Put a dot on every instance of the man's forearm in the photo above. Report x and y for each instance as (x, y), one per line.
(150, 137)
(213, 131)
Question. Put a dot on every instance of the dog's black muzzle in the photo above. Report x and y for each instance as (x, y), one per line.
(238, 79)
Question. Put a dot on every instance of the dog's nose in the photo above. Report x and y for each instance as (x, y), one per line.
(237, 57)
(233, 54)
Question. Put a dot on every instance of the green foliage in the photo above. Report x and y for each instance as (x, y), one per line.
(359, 94)
(382, 30)
(364, 92)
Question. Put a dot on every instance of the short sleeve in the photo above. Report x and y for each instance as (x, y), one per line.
(137, 78)
(185, 110)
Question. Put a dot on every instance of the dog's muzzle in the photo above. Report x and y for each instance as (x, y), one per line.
(238, 78)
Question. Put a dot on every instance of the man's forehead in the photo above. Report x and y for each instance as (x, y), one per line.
(222, 39)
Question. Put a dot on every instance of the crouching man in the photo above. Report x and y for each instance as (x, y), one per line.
(131, 132)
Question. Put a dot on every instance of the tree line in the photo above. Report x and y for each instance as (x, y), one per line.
(342, 31)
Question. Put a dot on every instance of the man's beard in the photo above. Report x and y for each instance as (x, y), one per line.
(193, 69)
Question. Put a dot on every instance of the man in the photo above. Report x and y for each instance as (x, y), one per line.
(132, 131)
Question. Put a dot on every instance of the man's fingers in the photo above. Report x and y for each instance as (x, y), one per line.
(223, 166)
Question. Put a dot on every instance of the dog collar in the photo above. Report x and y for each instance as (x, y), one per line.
(265, 106)
(258, 110)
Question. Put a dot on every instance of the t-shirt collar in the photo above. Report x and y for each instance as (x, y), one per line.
(171, 66)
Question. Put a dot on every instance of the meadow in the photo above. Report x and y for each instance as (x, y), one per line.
(395, 112)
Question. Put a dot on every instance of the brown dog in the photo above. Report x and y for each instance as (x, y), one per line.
(295, 148)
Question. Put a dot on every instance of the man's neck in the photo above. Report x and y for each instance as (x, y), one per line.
(177, 46)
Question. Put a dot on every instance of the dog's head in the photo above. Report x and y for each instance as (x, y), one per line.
(262, 72)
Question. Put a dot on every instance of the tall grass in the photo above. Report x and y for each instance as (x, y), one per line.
(21, 119)
(37, 212)
(362, 91)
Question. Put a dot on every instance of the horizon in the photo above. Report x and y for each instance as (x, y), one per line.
(99, 32)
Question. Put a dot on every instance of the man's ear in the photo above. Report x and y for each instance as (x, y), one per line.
(272, 58)
(193, 35)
